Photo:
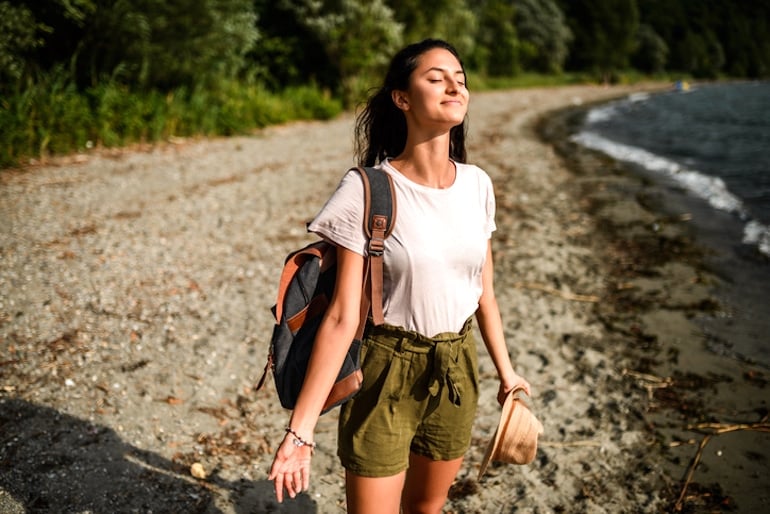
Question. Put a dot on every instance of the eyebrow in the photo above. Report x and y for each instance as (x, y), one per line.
(437, 68)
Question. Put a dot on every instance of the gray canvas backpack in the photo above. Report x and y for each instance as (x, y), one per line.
(305, 291)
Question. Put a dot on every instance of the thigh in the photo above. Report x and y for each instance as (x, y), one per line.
(427, 483)
(368, 495)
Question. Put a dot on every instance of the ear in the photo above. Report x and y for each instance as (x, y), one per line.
(400, 99)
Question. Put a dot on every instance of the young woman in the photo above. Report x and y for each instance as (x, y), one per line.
(403, 437)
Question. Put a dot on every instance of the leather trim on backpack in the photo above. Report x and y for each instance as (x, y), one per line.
(344, 389)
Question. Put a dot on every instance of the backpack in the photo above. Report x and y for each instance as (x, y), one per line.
(305, 291)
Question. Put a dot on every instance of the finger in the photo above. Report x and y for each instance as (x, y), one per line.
(289, 485)
(279, 487)
(298, 482)
(273, 471)
(306, 478)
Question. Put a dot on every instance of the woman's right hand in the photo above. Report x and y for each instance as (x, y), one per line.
(291, 468)
(511, 383)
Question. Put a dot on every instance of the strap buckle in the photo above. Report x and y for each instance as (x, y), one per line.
(376, 246)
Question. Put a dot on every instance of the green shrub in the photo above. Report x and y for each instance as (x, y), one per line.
(52, 117)
(44, 118)
(309, 102)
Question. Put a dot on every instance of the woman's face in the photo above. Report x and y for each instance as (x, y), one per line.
(437, 95)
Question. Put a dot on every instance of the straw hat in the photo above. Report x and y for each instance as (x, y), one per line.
(515, 440)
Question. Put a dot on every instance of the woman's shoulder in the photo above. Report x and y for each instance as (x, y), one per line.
(467, 167)
(351, 183)
(473, 172)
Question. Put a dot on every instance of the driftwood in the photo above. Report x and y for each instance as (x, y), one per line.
(556, 292)
(568, 444)
(649, 382)
(714, 429)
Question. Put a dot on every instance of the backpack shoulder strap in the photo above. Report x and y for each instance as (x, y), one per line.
(379, 205)
(379, 220)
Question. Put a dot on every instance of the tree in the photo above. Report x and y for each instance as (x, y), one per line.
(173, 42)
(704, 54)
(19, 35)
(651, 51)
(543, 34)
(709, 37)
(497, 49)
(44, 34)
(605, 34)
(358, 37)
(743, 30)
(288, 53)
(451, 20)
(146, 43)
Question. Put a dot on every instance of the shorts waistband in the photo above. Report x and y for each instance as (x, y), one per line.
(416, 339)
(444, 348)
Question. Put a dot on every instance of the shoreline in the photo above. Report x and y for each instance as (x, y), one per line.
(742, 266)
(135, 291)
(695, 393)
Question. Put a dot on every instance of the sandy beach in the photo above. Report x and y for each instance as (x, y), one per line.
(135, 288)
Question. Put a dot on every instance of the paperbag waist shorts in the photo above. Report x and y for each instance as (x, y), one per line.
(419, 394)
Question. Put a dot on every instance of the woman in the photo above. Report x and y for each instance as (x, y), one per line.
(403, 437)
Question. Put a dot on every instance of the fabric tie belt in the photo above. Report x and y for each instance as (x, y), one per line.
(445, 348)
(444, 373)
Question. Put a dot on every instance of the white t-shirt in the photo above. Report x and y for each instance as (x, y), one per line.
(435, 255)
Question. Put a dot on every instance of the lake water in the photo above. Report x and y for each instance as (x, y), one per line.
(712, 142)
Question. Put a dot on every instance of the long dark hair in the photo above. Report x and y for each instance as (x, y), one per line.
(381, 126)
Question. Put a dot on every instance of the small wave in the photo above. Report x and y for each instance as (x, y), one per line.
(610, 110)
(600, 114)
(711, 189)
(638, 97)
(755, 233)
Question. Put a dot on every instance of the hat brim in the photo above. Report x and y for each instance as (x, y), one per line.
(494, 443)
(532, 429)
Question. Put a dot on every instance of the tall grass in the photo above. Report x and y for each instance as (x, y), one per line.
(51, 116)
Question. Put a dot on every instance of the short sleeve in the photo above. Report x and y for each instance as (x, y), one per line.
(340, 221)
(490, 205)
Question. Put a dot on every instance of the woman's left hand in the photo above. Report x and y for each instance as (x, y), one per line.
(509, 384)
(291, 469)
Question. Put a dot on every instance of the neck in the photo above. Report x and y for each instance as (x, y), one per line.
(427, 162)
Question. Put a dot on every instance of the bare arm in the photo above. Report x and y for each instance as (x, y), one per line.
(491, 327)
(291, 464)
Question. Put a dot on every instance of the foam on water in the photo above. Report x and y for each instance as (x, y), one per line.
(707, 187)
(755, 233)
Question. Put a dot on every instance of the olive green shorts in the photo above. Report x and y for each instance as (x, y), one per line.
(419, 395)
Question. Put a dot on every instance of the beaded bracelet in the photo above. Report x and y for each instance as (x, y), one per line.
(298, 441)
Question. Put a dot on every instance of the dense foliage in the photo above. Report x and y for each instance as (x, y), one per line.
(107, 72)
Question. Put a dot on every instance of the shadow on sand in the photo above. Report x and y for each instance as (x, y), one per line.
(54, 462)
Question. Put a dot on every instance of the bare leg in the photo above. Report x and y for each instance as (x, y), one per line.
(427, 484)
(366, 495)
